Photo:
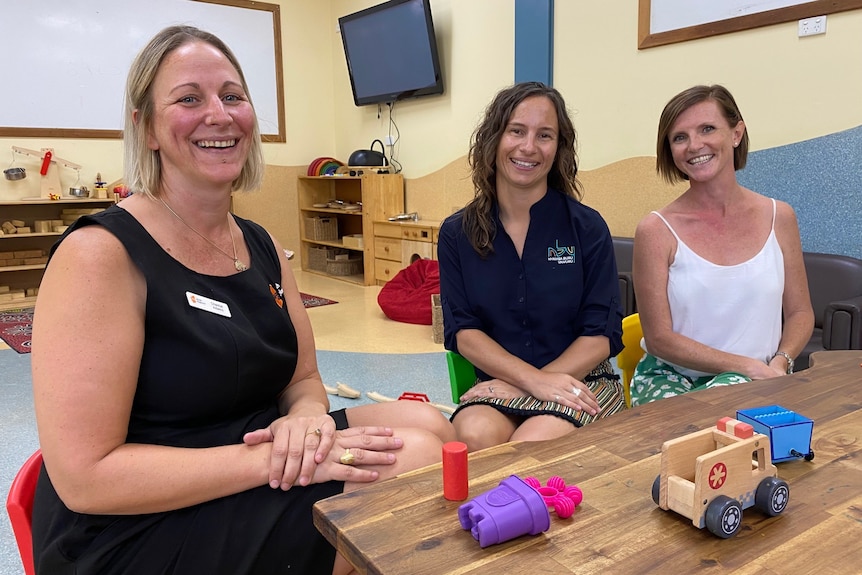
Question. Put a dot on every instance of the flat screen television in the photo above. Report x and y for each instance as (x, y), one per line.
(391, 52)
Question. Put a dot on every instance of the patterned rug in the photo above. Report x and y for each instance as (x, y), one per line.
(16, 325)
(314, 301)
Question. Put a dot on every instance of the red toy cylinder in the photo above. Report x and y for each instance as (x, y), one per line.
(455, 486)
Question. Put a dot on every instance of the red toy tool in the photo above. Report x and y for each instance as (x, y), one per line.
(46, 162)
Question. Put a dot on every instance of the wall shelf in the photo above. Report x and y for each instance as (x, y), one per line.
(25, 277)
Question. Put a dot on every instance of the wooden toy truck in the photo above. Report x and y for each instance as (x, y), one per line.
(711, 475)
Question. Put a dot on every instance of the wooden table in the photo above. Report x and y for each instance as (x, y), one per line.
(404, 526)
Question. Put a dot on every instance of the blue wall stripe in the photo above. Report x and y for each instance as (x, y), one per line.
(534, 41)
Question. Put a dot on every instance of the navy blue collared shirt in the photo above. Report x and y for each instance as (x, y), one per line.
(564, 286)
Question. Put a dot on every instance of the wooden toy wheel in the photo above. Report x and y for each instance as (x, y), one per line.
(656, 489)
(724, 516)
(772, 496)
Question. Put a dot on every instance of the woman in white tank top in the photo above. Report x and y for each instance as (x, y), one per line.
(719, 277)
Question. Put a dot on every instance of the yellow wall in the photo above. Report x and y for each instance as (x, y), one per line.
(476, 44)
(790, 89)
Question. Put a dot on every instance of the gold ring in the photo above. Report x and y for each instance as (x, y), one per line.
(348, 458)
(314, 432)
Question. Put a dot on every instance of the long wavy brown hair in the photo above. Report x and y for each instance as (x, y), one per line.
(478, 219)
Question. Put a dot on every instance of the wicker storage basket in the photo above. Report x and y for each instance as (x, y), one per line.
(320, 228)
(350, 266)
(318, 256)
(436, 319)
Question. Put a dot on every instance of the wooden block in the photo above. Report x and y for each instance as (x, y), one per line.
(7, 255)
(60, 228)
(18, 294)
(24, 230)
(36, 261)
(8, 227)
(18, 223)
(6, 296)
(42, 226)
(29, 254)
(56, 223)
(80, 211)
(32, 292)
(4, 289)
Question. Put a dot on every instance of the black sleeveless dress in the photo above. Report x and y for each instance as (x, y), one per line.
(205, 380)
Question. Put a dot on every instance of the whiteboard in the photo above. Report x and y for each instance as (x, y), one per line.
(663, 22)
(673, 14)
(71, 58)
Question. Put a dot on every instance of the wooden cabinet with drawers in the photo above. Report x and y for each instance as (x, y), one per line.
(398, 244)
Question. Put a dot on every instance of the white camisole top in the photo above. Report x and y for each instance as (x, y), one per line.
(736, 308)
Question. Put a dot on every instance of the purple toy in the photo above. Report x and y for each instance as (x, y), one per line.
(509, 510)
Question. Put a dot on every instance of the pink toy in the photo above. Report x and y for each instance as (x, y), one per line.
(557, 496)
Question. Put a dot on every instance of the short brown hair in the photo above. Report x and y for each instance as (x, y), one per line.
(142, 167)
(664, 164)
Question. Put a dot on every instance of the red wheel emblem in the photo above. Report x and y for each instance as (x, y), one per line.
(717, 475)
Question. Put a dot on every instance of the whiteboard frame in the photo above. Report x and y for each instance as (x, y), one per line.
(280, 136)
(802, 9)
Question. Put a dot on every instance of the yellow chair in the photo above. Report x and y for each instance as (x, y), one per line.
(632, 353)
(462, 375)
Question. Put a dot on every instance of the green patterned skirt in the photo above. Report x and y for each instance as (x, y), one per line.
(655, 379)
(603, 381)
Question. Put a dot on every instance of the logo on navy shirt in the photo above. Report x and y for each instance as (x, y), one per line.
(561, 254)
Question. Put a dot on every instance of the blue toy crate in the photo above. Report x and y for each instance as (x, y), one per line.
(789, 433)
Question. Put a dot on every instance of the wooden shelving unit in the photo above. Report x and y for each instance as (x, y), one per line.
(380, 196)
(22, 277)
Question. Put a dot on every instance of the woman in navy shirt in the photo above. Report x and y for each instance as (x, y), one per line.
(528, 280)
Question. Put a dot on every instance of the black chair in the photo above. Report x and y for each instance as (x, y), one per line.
(623, 254)
(835, 283)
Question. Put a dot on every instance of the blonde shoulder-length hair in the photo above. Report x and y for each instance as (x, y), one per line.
(142, 168)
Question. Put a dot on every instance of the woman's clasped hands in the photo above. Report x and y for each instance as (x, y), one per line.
(560, 388)
(309, 450)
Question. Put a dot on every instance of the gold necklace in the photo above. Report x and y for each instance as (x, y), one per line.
(240, 267)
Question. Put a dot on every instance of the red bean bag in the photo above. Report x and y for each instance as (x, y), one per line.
(407, 296)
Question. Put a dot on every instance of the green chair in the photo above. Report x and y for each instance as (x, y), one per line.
(462, 375)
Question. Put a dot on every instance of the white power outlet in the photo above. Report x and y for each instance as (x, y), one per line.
(812, 26)
(389, 140)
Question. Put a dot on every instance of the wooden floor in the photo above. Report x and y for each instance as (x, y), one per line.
(356, 322)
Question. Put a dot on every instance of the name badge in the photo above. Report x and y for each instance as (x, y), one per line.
(207, 304)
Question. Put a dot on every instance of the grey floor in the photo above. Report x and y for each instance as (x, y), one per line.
(384, 373)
